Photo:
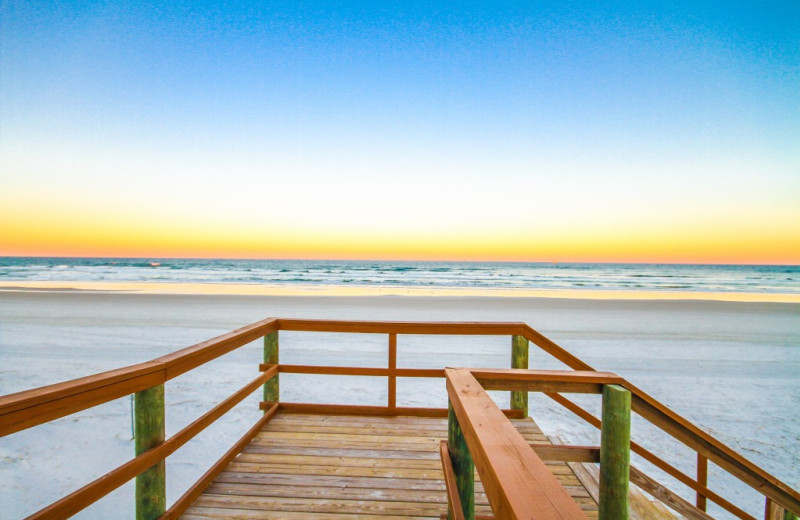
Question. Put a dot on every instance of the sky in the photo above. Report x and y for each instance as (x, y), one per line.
(522, 131)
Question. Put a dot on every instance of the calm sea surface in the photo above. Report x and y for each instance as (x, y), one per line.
(529, 276)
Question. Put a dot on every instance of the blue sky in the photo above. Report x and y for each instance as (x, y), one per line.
(405, 118)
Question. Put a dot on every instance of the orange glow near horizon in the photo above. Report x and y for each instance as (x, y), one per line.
(92, 227)
(121, 237)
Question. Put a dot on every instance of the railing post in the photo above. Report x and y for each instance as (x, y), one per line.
(151, 484)
(519, 359)
(463, 466)
(271, 387)
(392, 380)
(773, 511)
(615, 439)
(702, 479)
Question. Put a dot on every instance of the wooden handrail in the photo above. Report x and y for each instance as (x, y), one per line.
(453, 500)
(516, 481)
(361, 371)
(650, 457)
(714, 450)
(405, 327)
(29, 408)
(583, 381)
(686, 432)
(90, 493)
(24, 410)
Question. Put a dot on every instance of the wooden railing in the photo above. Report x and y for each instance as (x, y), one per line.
(33, 407)
(514, 477)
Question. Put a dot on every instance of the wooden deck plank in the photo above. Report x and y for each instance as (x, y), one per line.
(336, 467)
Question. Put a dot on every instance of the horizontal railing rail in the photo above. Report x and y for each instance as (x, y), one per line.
(30, 408)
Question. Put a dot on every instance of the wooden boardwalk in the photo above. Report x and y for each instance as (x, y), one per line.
(343, 467)
(297, 461)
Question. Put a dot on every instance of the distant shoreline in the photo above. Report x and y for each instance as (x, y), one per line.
(340, 291)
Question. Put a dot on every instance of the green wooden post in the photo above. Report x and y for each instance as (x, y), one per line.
(615, 455)
(463, 467)
(151, 484)
(271, 387)
(519, 359)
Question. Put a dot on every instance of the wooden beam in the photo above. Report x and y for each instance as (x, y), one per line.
(27, 409)
(28, 398)
(463, 465)
(554, 350)
(653, 459)
(402, 327)
(564, 453)
(454, 509)
(344, 409)
(572, 381)
(349, 409)
(702, 479)
(392, 379)
(186, 359)
(98, 488)
(271, 355)
(519, 359)
(715, 451)
(516, 481)
(149, 432)
(615, 453)
(362, 371)
(667, 497)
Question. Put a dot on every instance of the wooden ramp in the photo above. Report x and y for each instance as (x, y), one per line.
(342, 467)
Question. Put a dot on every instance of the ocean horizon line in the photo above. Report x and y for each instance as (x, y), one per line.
(401, 260)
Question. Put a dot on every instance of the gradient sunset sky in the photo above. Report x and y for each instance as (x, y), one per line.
(527, 131)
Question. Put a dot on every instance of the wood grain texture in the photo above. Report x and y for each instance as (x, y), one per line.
(570, 381)
(149, 432)
(271, 356)
(519, 359)
(715, 451)
(615, 453)
(30, 408)
(100, 487)
(180, 506)
(455, 510)
(463, 465)
(515, 479)
(348, 466)
(402, 327)
(392, 379)
(655, 460)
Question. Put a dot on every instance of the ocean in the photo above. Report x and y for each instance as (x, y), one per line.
(773, 279)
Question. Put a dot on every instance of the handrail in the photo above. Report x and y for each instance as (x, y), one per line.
(515, 479)
(29, 408)
(22, 410)
(455, 328)
(100, 487)
(665, 419)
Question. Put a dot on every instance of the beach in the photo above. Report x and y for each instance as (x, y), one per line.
(731, 367)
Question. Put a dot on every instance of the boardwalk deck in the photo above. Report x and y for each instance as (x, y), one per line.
(337, 467)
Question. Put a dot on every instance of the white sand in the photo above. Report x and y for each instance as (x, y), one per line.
(731, 367)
